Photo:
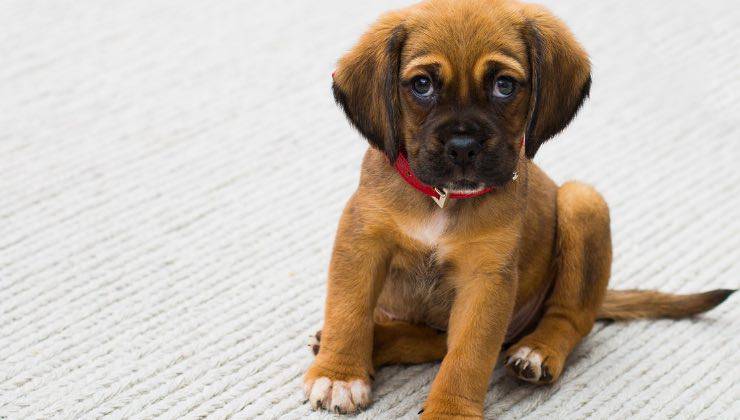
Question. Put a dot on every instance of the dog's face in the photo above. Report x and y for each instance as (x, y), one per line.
(464, 92)
(458, 84)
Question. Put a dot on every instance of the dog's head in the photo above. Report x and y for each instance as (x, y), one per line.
(456, 84)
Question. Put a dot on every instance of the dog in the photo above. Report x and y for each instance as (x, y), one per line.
(455, 244)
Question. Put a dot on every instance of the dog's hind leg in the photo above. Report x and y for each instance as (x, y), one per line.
(583, 269)
(398, 342)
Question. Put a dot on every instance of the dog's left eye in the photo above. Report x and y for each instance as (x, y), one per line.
(504, 87)
(422, 87)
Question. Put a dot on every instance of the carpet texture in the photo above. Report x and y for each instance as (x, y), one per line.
(172, 172)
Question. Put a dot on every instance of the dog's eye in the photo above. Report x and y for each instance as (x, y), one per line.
(422, 87)
(504, 87)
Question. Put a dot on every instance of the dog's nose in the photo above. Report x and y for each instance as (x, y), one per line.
(462, 150)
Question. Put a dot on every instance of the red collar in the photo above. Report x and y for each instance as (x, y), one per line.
(440, 196)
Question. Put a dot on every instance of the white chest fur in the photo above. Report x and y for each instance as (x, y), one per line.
(427, 231)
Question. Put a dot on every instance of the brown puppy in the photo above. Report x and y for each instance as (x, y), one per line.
(454, 87)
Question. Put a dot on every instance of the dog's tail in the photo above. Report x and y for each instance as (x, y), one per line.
(635, 304)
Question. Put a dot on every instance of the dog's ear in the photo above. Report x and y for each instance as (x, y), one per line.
(560, 76)
(366, 83)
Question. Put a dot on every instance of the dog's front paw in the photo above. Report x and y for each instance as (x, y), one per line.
(337, 385)
(342, 397)
(533, 364)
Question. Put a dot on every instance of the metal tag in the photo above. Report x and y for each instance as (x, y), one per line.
(442, 200)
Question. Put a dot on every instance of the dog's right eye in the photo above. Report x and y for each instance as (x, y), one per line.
(504, 87)
(422, 87)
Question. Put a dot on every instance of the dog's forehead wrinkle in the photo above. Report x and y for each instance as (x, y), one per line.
(459, 50)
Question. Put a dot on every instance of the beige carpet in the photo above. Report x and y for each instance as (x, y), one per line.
(171, 175)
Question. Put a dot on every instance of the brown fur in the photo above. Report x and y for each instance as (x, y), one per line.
(621, 305)
(526, 265)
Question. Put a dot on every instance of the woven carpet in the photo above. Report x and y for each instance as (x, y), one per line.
(172, 173)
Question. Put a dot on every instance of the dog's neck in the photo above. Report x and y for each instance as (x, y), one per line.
(439, 195)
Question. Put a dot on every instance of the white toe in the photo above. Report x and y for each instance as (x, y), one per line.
(341, 398)
(521, 353)
(535, 361)
(320, 395)
(361, 393)
(526, 357)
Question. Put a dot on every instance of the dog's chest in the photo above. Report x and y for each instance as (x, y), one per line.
(416, 289)
(428, 232)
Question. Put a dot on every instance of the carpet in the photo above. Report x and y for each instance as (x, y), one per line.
(172, 173)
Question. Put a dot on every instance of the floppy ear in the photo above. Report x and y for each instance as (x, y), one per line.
(366, 83)
(560, 73)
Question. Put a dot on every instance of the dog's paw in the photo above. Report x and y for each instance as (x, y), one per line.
(342, 397)
(314, 342)
(533, 364)
(337, 383)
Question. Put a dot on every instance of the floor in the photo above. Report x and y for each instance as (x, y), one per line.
(172, 172)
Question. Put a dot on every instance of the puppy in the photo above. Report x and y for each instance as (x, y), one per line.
(455, 243)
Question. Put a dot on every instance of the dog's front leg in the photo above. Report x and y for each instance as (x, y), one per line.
(339, 378)
(480, 315)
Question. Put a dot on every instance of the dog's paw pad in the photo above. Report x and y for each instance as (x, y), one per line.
(314, 343)
(529, 365)
(338, 396)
